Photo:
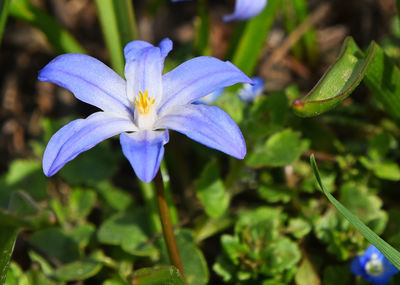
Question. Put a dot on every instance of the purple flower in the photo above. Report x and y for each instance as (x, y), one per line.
(249, 92)
(244, 9)
(373, 266)
(143, 107)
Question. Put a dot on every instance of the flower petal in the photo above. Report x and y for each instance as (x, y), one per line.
(90, 80)
(144, 150)
(208, 125)
(196, 78)
(246, 9)
(79, 136)
(144, 66)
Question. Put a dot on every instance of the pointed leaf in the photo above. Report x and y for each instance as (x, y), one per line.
(341, 78)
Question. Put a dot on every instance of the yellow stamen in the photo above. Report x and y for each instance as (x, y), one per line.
(143, 102)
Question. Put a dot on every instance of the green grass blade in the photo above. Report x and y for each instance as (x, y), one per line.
(58, 37)
(202, 26)
(118, 25)
(383, 79)
(341, 78)
(387, 250)
(7, 241)
(4, 6)
(253, 38)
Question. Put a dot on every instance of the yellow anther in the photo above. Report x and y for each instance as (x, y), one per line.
(143, 102)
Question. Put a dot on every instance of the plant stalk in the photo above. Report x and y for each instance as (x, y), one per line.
(165, 218)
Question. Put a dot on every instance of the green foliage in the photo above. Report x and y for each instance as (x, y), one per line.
(392, 254)
(211, 191)
(158, 276)
(257, 250)
(194, 263)
(129, 231)
(280, 149)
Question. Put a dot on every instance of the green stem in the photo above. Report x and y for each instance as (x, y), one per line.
(165, 218)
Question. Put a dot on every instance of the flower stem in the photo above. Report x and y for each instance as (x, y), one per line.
(165, 218)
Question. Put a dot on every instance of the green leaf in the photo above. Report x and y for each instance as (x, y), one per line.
(387, 250)
(341, 78)
(117, 20)
(81, 202)
(274, 193)
(4, 6)
(280, 149)
(98, 164)
(334, 275)
(388, 170)
(128, 230)
(56, 243)
(307, 275)
(26, 175)
(281, 255)
(8, 236)
(267, 116)
(252, 41)
(113, 196)
(383, 79)
(194, 263)
(166, 275)
(364, 205)
(58, 37)
(298, 227)
(78, 270)
(211, 191)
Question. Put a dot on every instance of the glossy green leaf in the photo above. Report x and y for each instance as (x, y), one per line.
(7, 241)
(211, 191)
(117, 20)
(4, 6)
(166, 275)
(253, 38)
(58, 37)
(380, 75)
(341, 78)
(280, 149)
(392, 254)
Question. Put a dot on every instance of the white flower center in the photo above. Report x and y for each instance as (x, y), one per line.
(374, 266)
(145, 114)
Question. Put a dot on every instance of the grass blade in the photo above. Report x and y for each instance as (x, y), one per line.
(253, 38)
(118, 25)
(4, 6)
(387, 250)
(58, 37)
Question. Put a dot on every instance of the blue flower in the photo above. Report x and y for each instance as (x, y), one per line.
(249, 92)
(143, 107)
(373, 266)
(244, 9)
